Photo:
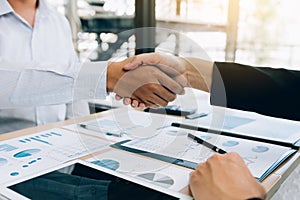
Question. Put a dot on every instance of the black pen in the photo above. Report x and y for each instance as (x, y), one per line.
(206, 144)
(97, 129)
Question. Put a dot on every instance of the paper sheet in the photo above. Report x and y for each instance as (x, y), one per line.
(30, 154)
(247, 123)
(173, 142)
(146, 169)
(132, 124)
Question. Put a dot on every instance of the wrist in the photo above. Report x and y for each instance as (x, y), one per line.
(114, 73)
(198, 73)
(258, 192)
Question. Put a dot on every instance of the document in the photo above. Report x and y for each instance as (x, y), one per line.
(22, 156)
(173, 142)
(251, 124)
(146, 169)
(129, 125)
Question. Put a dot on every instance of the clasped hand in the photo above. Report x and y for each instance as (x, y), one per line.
(154, 79)
(148, 80)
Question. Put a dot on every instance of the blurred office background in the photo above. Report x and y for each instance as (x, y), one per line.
(255, 32)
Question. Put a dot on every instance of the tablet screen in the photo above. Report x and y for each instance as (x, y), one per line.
(84, 182)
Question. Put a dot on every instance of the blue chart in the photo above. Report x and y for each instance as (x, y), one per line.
(3, 161)
(14, 173)
(107, 163)
(231, 122)
(157, 179)
(31, 162)
(26, 153)
(230, 143)
(7, 147)
(42, 138)
(260, 149)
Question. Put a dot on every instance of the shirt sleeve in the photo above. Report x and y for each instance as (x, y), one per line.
(37, 86)
(273, 92)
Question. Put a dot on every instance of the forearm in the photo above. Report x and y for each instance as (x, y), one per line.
(273, 92)
(36, 86)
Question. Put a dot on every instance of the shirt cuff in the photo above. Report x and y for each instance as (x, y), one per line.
(218, 92)
(90, 82)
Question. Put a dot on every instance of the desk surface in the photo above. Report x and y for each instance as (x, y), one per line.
(271, 183)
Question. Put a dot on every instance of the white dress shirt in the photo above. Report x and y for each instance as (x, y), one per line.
(39, 69)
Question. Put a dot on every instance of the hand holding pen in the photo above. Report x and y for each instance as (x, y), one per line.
(206, 144)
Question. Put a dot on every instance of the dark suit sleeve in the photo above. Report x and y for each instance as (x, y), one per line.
(268, 91)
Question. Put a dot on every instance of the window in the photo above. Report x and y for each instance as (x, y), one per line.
(267, 31)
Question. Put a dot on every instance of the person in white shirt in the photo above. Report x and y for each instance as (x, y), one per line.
(41, 75)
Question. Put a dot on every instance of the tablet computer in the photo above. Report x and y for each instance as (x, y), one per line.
(119, 185)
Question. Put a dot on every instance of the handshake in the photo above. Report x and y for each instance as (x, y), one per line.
(154, 79)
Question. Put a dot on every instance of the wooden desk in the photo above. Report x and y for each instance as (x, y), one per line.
(271, 183)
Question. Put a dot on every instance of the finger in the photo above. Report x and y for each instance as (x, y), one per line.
(157, 100)
(138, 104)
(149, 58)
(165, 94)
(170, 84)
(200, 166)
(235, 158)
(126, 101)
(151, 104)
(134, 103)
(181, 79)
(171, 65)
(118, 98)
(142, 106)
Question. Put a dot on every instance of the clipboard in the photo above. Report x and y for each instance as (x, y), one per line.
(189, 163)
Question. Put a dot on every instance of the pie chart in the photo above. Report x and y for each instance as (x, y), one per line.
(157, 179)
(230, 143)
(107, 163)
(260, 149)
(26, 153)
(3, 161)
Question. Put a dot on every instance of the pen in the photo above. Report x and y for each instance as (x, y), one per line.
(206, 144)
(95, 128)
